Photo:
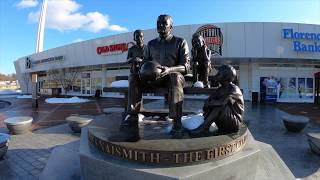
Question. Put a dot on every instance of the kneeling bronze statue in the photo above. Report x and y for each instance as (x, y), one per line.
(225, 107)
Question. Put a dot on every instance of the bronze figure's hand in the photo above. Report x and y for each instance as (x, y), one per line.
(135, 60)
(165, 71)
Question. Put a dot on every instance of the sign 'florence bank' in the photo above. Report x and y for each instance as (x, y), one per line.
(303, 41)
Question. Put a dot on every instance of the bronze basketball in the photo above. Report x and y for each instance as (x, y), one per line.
(150, 71)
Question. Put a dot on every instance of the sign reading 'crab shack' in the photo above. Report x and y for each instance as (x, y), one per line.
(112, 49)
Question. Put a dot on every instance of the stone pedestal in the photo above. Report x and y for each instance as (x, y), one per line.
(99, 166)
(254, 161)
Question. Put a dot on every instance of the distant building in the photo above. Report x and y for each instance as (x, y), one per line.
(276, 61)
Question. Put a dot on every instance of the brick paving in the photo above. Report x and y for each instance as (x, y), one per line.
(28, 153)
(53, 114)
(310, 110)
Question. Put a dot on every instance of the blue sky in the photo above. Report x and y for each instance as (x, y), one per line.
(70, 21)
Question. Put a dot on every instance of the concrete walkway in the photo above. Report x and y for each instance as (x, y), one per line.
(266, 125)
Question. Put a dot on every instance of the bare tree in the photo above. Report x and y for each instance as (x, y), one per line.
(64, 76)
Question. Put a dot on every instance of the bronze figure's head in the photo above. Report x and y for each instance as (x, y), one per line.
(164, 25)
(138, 37)
(197, 41)
(226, 74)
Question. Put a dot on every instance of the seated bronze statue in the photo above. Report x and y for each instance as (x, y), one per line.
(225, 107)
(201, 58)
(166, 61)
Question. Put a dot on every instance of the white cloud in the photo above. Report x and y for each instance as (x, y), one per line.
(117, 28)
(64, 15)
(97, 21)
(78, 40)
(27, 4)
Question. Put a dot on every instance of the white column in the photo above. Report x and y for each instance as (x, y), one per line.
(244, 80)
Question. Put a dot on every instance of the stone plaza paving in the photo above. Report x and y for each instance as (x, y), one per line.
(28, 154)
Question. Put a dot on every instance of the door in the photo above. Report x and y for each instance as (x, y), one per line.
(86, 86)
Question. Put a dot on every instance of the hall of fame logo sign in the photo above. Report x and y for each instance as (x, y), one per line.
(213, 38)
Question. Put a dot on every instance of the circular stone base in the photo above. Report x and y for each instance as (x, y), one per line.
(4, 140)
(157, 147)
(295, 123)
(76, 122)
(314, 142)
(19, 125)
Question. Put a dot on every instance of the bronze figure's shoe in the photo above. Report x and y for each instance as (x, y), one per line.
(130, 122)
(199, 132)
(177, 133)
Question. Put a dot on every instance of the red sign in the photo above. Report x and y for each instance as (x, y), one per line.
(112, 49)
(213, 38)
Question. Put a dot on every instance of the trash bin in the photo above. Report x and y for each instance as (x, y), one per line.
(255, 96)
(98, 93)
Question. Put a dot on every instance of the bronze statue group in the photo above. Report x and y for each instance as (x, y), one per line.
(163, 63)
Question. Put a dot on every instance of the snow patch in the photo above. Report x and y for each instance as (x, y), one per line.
(24, 97)
(121, 83)
(8, 91)
(66, 100)
(198, 84)
(140, 117)
(191, 122)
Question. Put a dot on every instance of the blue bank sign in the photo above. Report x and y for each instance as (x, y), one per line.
(303, 41)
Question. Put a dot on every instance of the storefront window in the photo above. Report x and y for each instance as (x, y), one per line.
(292, 88)
(286, 89)
(76, 86)
(309, 88)
(301, 87)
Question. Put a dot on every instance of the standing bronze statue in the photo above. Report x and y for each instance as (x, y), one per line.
(201, 56)
(225, 107)
(166, 61)
(136, 52)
